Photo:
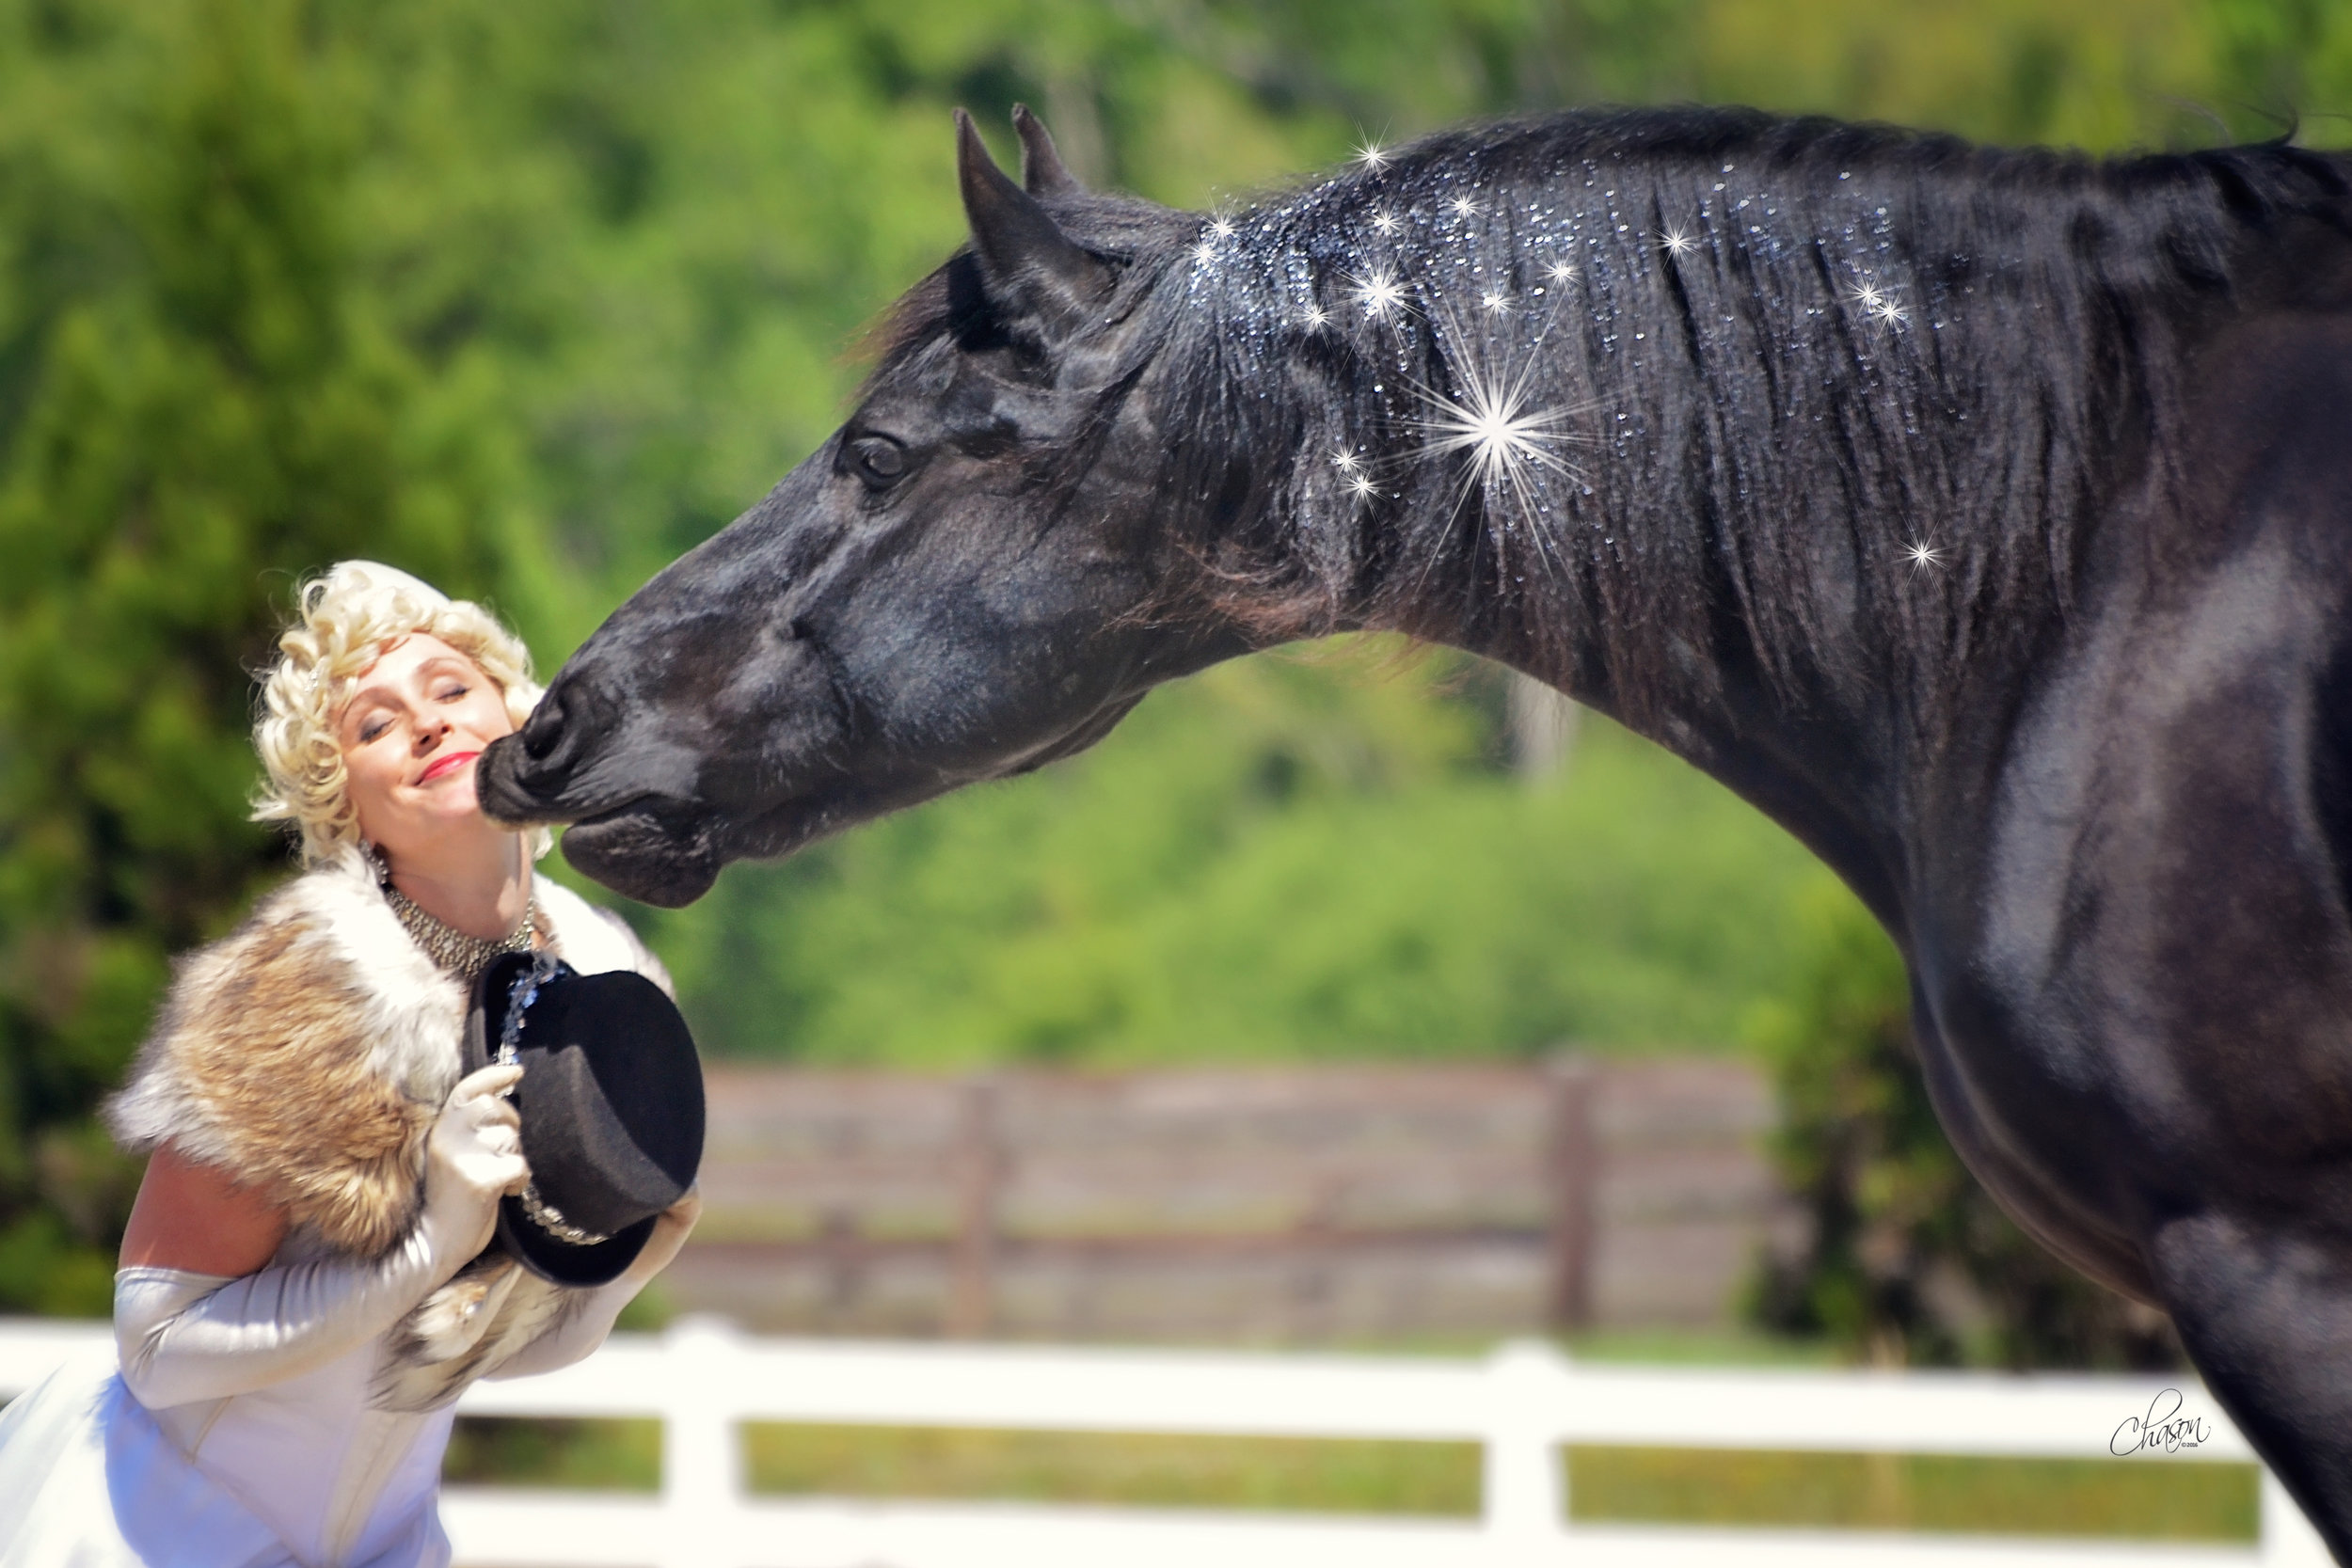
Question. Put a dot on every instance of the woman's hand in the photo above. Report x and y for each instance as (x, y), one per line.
(473, 1158)
(670, 1231)
(681, 1217)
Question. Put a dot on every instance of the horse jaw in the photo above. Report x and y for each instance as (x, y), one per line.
(667, 853)
(647, 847)
(632, 852)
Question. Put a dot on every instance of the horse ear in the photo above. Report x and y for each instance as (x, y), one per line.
(1030, 264)
(1042, 172)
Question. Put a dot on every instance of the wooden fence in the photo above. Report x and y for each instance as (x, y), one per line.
(1274, 1205)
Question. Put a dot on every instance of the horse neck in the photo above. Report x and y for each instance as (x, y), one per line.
(1836, 762)
(1630, 553)
(1795, 565)
(1815, 450)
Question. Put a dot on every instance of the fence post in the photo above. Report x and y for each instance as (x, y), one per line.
(1572, 1174)
(842, 1250)
(978, 1174)
(2288, 1540)
(1526, 1495)
(702, 1456)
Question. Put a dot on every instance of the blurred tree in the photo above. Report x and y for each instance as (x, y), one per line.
(215, 412)
(1271, 861)
(1908, 1260)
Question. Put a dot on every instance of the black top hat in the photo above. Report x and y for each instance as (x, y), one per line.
(612, 1108)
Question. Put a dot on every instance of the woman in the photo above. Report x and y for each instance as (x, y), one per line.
(304, 1290)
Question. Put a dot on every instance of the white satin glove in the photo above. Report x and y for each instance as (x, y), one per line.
(584, 1327)
(187, 1336)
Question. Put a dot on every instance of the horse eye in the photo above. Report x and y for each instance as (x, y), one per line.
(879, 460)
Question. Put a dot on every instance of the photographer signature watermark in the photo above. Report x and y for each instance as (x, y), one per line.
(2164, 1427)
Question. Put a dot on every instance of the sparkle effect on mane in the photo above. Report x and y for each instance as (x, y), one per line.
(1472, 325)
(1605, 375)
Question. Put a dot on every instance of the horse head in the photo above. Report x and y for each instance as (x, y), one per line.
(967, 580)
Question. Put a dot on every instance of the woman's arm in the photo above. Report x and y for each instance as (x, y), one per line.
(186, 1334)
(194, 1218)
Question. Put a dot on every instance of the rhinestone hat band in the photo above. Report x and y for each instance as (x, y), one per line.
(519, 996)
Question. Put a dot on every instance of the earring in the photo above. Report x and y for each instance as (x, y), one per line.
(377, 867)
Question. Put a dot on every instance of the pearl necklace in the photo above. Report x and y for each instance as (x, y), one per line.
(452, 950)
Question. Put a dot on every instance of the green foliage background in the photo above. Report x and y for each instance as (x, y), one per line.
(531, 296)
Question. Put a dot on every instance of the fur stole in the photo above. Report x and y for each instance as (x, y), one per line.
(306, 1054)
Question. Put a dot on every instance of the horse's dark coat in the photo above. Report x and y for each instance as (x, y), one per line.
(2088, 758)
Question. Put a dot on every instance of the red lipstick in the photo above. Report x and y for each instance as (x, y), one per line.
(449, 763)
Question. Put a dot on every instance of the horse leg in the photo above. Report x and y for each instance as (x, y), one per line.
(2266, 1309)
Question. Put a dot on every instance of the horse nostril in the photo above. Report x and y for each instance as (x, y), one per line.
(544, 730)
(561, 730)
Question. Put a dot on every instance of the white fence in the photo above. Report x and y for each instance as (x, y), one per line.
(1520, 1405)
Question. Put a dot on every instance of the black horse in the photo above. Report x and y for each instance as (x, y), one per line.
(1985, 518)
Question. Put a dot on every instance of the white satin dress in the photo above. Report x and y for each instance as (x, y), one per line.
(300, 1474)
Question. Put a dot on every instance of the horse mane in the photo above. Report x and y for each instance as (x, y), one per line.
(1790, 351)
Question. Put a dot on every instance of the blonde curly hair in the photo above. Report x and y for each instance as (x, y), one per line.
(344, 619)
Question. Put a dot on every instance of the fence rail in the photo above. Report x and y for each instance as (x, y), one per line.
(1296, 1204)
(702, 1379)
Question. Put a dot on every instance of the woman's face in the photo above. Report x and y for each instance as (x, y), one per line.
(418, 718)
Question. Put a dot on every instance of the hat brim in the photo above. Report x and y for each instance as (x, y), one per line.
(558, 1261)
(561, 1262)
